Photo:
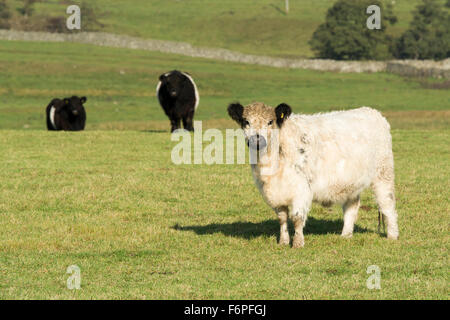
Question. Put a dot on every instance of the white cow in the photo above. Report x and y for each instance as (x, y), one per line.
(326, 158)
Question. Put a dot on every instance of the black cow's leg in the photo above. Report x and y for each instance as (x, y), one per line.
(175, 122)
(65, 126)
(187, 121)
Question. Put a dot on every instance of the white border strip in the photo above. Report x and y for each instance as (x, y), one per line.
(52, 116)
(157, 91)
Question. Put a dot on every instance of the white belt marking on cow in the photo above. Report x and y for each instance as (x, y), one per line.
(197, 97)
(157, 91)
(52, 116)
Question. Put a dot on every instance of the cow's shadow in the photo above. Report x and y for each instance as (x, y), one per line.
(155, 131)
(268, 228)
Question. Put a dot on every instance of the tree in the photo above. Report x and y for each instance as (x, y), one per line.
(345, 35)
(28, 8)
(5, 14)
(90, 17)
(428, 35)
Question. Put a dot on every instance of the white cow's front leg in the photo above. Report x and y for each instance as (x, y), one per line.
(300, 209)
(282, 213)
(350, 209)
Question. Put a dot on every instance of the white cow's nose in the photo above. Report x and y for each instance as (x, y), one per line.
(257, 142)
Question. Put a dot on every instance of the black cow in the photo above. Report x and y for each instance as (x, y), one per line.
(178, 96)
(67, 114)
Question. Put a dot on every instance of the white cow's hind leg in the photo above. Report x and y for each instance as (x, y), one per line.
(282, 213)
(350, 209)
(384, 193)
(383, 187)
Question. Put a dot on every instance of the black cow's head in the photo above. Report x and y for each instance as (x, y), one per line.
(173, 81)
(74, 105)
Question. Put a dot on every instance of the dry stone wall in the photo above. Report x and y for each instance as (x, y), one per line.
(439, 69)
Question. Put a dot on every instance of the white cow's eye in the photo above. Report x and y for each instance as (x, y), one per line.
(270, 122)
(246, 123)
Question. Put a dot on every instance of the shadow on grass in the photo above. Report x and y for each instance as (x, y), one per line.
(268, 228)
(154, 131)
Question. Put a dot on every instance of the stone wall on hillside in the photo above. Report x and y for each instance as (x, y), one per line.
(439, 69)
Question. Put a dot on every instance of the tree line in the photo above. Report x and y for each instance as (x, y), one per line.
(345, 36)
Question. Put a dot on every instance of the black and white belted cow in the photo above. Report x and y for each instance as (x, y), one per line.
(67, 114)
(178, 96)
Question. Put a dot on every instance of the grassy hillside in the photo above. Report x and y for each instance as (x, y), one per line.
(258, 27)
(138, 226)
(120, 86)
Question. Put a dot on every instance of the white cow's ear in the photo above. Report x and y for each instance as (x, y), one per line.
(235, 111)
(282, 112)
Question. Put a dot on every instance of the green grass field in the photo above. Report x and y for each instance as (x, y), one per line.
(258, 27)
(120, 86)
(110, 201)
(139, 227)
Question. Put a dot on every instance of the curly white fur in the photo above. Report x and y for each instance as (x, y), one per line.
(329, 158)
